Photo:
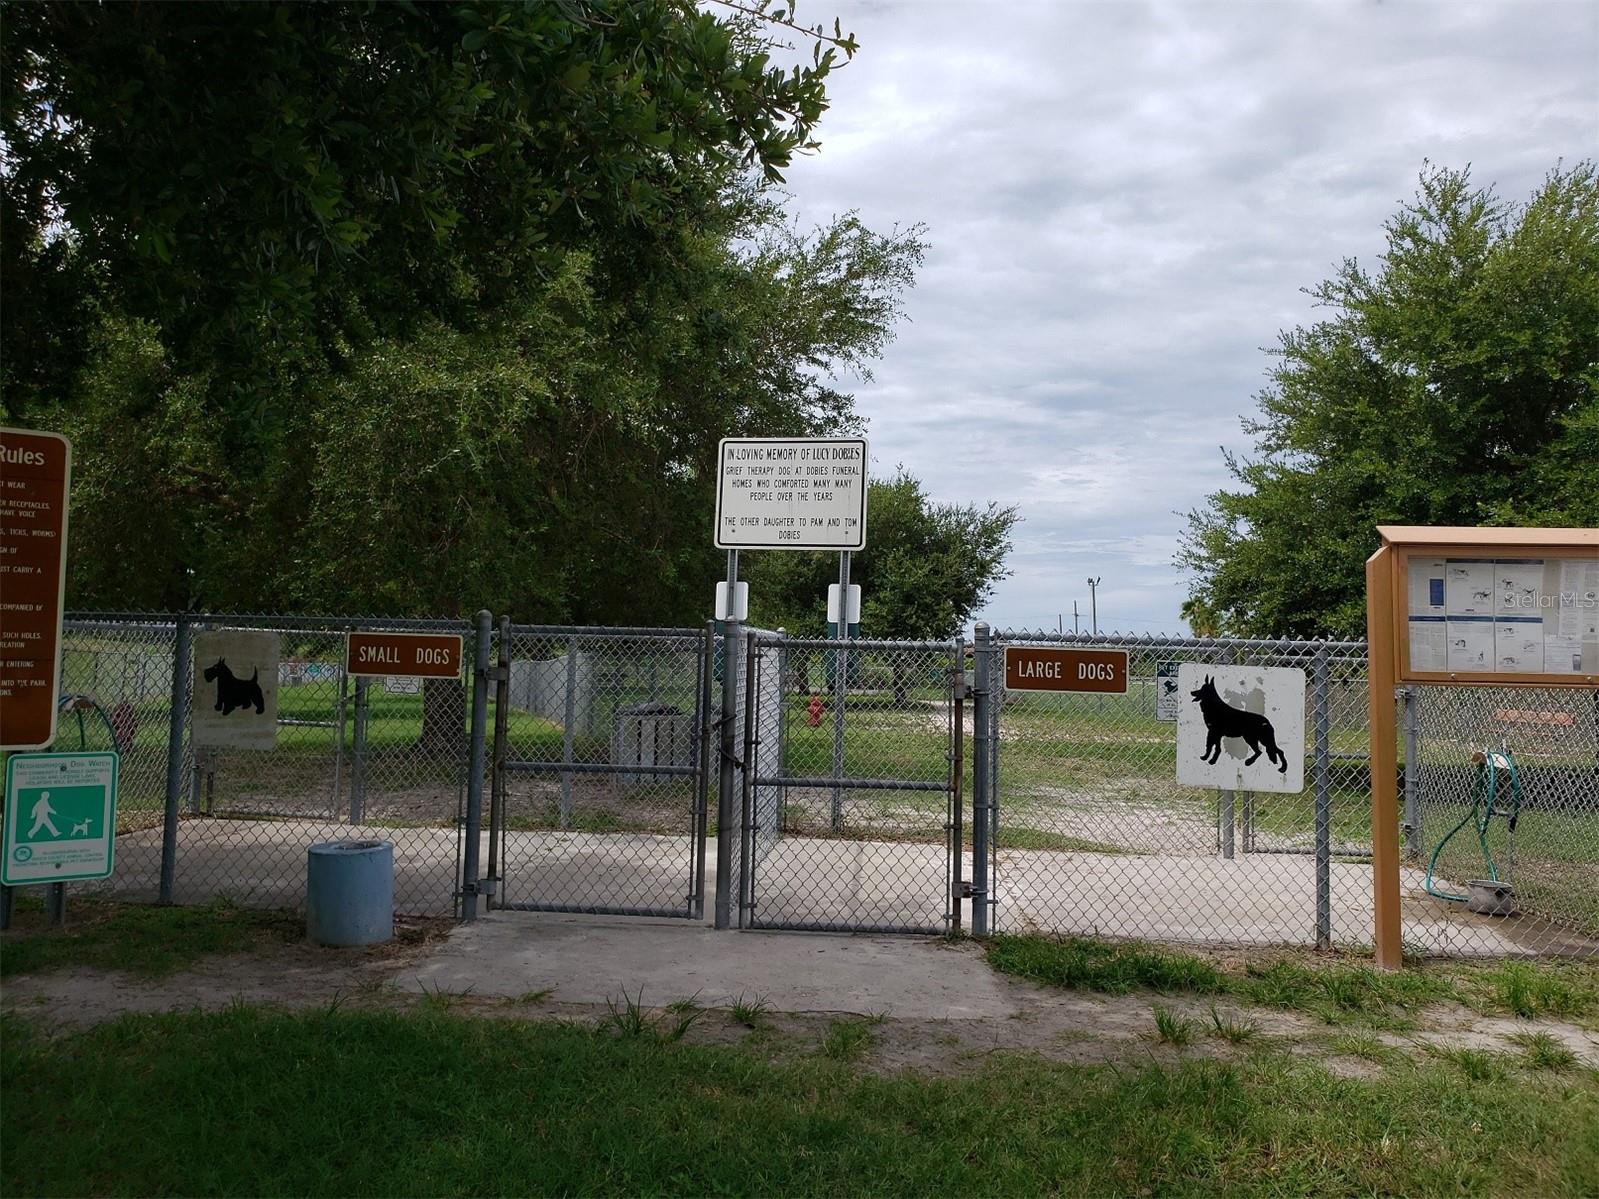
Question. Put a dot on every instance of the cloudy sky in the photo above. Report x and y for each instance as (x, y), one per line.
(1123, 202)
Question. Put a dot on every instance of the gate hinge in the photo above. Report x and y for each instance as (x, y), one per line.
(498, 674)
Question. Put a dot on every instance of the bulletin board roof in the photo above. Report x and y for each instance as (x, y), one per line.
(1457, 535)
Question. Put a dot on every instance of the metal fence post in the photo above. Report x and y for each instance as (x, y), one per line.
(502, 715)
(338, 744)
(1323, 771)
(727, 775)
(982, 714)
(1412, 826)
(957, 779)
(840, 689)
(749, 827)
(702, 777)
(177, 719)
(475, 768)
(567, 720)
(358, 753)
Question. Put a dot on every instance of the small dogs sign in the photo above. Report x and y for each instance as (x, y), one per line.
(1241, 728)
(234, 703)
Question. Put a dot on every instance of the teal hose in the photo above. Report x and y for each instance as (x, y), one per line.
(1484, 797)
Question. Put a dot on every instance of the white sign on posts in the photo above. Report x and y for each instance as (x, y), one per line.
(1241, 728)
(61, 818)
(791, 493)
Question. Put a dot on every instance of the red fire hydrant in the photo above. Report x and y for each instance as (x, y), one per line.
(815, 710)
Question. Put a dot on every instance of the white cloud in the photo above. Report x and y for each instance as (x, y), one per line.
(1124, 201)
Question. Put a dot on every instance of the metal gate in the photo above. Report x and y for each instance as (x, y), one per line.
(599, 779)
(851, 785)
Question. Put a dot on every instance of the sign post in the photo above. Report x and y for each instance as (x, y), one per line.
(780, 493)
(35, 480)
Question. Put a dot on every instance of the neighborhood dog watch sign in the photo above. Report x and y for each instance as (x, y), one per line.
(61, 817)
(234, 701)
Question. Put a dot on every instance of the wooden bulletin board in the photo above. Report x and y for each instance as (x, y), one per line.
(1506, 607)
(1466, 607)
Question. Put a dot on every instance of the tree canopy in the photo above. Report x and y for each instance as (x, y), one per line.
(926, 568)
(417, 308)
(1458, 384)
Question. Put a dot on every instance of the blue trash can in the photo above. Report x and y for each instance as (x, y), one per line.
(349, 892)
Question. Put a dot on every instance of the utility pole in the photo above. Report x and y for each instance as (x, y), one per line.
(1093, 604)
(1075, 628)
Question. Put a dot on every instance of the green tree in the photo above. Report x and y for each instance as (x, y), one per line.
(416, 309)
(925, 569)
(1456, 385)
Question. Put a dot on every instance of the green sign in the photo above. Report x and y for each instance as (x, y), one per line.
(61, 818)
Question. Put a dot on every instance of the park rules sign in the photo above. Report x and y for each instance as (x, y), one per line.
(794, 493)
(35, 476)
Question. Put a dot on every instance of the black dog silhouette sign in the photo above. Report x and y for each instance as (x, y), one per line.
(234, 702)
(1241, 728)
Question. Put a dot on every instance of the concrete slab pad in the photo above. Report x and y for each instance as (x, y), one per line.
(589, 959)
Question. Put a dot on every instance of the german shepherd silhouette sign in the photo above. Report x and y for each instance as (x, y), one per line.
(234, 703)
(1241, 728)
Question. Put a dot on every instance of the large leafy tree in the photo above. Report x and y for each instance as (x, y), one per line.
(1457, 384)
(416, 308)
(927, 567)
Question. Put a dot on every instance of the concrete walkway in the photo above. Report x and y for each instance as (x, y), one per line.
(591, 959)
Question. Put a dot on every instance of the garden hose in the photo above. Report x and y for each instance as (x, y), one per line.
(78, 705)
(1484, 798)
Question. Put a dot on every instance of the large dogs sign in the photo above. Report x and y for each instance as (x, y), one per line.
(234, 703)
(1241, 728)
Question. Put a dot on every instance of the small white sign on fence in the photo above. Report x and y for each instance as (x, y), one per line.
(1241, 728)
(1168, 695)
(234, 703)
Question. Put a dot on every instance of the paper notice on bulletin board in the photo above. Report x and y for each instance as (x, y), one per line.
(1523, 616)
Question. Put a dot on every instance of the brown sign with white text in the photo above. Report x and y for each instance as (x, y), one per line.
(35, 476)
(1034, 668)
(424, 655)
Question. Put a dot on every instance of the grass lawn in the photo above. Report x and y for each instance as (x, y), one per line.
(141, 939)
(426, 1102)
(1337, 991)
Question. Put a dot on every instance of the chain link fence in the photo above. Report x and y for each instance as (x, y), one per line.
(845, 771)
(1091, 833)
(1505, 860)
(848, 787)
(351, 758)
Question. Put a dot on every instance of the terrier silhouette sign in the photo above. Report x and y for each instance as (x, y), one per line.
(1241, 728)
(234, 704)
